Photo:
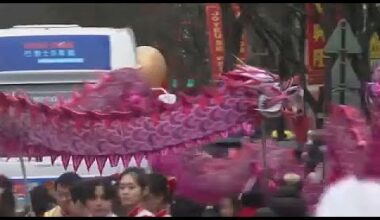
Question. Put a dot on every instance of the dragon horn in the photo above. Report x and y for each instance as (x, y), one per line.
(239, 60)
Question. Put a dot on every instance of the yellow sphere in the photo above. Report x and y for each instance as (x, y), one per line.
(152, 65)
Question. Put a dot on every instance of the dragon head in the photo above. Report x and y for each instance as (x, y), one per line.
(274, 97)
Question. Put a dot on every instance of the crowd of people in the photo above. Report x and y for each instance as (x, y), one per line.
(136, 193)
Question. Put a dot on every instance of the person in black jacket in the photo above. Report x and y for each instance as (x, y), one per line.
(7, 199)
(42, 201)
(287, 202)
(182, 207)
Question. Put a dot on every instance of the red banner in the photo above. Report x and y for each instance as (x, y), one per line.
(315, 43)
(244, 41)
(216, 38)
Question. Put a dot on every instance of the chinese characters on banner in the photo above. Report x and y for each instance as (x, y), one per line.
(55, 52)
(316, 40)
(46, 49)
(216, 39)
(374, 51)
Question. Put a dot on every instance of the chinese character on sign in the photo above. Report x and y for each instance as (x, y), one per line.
(217, 29)
(318, 34)
(219, 46)
(53, 53)
(37, 53)
(218, 33)
(374, 51)
(45, 53)
(28, 53)
(219, 43)
(71, 53)
(215, 17)
(61, 53)
(219, 49)
(318, 56)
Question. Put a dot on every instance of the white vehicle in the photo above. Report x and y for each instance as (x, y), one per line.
(51, 60)
(48, 61)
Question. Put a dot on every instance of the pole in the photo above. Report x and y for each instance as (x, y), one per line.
(264, 145)
(264, 157)
(342, 63)
(27, 196)
(324, 164)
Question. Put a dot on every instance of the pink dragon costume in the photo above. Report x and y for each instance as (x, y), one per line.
(353, 163)
(120, 118)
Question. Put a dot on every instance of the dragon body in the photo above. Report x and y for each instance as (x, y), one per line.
(120, 118)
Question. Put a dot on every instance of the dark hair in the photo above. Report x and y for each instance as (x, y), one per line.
(253, 199)
(182, 207)
(42, 201)
(265, 212)
(88, 188)
(67, 179)
(210, 212)
(138, 174)
(287, 191)
(299, 186)
(7, 199)
(158, 186)
(77, 191)
(288, 207)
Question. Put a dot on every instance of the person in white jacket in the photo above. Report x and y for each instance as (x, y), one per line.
(350, 197)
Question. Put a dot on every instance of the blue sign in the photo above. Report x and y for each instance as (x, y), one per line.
(55, 52)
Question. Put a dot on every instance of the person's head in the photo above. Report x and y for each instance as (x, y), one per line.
(62, 188)
(132, 187)
(97, 196)
(159, 192)
(294, 180)
(228, 207)
(7, 199)
(42, 201)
